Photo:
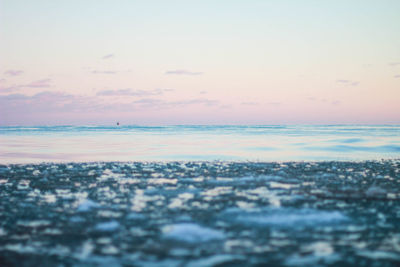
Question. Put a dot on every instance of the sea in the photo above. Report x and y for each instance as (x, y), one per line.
(269, 195)
(37, 144)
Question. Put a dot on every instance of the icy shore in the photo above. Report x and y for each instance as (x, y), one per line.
(200, 214)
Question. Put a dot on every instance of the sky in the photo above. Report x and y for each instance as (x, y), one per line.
(199, 62)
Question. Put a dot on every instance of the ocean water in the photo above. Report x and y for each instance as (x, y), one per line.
(179, 200)
(170, 143)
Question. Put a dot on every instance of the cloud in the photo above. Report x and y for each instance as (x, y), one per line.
(348, 82)
(200, 101)
(343, 81)
(45, 83)
(108, 56)
(8, 89)
(43, 101)
(61, 102)
(14, 72)
(130, 92)
(103, 72)
(274, 103)
(48, 103)
(336, 102)
(60, 107)
(161, 104)
(225, 106)
(150, 102)
(397, 76)
(203, 92)
(393, 64)
(182, 72)
(14, 97)
(250, 103)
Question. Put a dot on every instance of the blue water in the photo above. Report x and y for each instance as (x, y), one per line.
(167, 143)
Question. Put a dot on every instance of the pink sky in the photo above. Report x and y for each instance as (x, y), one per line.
(206, 63)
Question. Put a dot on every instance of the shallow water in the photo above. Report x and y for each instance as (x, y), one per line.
(165, 143)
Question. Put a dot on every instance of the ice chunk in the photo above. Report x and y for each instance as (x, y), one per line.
(379, 255)
(191, 233)
(283, 217)
(320, 249)
(375, 191)
(87, 205)
(107, 226)
(2, 232)
(135, 216)
(162, 181)
(282, 185)
(34, 224)
(86, 250)
(215, 260)
(110, 250)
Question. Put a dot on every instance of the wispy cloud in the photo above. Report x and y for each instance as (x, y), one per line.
(130, 92)
(199, 101)
(394, 64)
(161, 104)
(274, 103)
(182, 72)
(250, 103)
(61, 102)
(397, 76)
(108, 56)
(225, 106)
(44, 83)
(150, 102)
(348, 82)
(8, 89)
(45, 101)
(103, 72)
(14, 72)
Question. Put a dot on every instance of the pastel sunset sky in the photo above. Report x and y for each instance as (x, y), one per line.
(199, 62)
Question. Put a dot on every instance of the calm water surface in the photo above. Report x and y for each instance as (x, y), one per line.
(259, 143)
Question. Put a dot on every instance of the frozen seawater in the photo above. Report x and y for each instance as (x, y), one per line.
(191, 233)
(214, 214)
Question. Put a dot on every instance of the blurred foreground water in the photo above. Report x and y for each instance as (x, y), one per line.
(255, 143)
(200, 214)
